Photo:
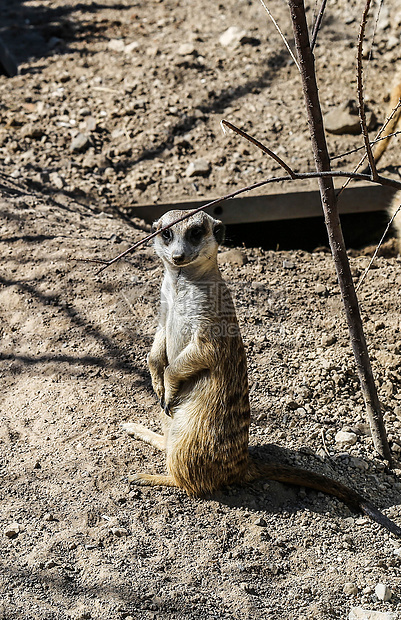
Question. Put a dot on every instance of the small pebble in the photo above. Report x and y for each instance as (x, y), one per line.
(116, 45)
(199, 167)
(187, 49)
(80, 143)
(328, 339)
(350, 588)
(383, 592)
(346, 438)
(232, 36)
(120, 532)
(12, 530)
(233, 257)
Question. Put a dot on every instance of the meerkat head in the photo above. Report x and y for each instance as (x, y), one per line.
(192, 241)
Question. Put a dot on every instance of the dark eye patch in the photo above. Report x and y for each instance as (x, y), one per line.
(167, 235)
(196, 233)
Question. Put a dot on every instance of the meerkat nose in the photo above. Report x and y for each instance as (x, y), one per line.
(178, 258)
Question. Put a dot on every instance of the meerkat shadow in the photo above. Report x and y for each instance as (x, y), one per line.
(275, 497)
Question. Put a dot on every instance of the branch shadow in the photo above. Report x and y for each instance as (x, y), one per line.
(115, 357)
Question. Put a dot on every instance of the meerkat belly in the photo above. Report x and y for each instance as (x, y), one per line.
(205, 453)
(178, 335)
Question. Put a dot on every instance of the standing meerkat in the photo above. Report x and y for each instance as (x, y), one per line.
(199, 373)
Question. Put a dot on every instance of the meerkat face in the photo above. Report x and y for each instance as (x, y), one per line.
(191, 241)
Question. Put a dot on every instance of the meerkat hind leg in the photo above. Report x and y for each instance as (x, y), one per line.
(152, 480)
(141, 432)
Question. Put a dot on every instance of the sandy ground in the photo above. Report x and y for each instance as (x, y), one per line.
(76, 541)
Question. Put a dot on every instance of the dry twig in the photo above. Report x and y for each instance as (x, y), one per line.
(226, 124)
(280, 33)
(317, 24)
(365, 273)
(361, 103)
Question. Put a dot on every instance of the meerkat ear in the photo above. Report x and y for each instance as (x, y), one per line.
(219, 231)
(154, 226)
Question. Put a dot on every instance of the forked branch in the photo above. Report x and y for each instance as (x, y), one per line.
(336, 240)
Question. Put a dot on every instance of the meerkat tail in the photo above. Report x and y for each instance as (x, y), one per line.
(152, 480)
(318, 482)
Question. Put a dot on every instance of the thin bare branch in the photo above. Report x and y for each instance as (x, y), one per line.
(377, 139)
(361, 103)
(365, 273)
(317, 24)
(374, 35)
(297, 176)
(281, 34)
(359, 148)
(260, 146)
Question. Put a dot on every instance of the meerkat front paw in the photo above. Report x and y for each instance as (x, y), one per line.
(158, 388)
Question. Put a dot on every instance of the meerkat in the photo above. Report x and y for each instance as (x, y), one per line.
(199, 373)
(391, 127)
(393, 208)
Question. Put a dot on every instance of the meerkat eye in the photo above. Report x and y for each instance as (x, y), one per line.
(167, 235)
(196, 233)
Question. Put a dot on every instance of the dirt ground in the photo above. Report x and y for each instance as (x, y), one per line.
(108, 111)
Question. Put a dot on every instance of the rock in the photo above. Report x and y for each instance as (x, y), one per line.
(125, 148)
(32, 131)
(357, 613)
(12, 530)
(393, 42)
(246, 40)
(131, 47)
(383, 592)
(90, 123)
(199, 167)
(345, 119)
(261, 522)
(232, 36)
(80, 143)
(287, 264)
(350, 588)
(56, 180)
(116, 45)
(187, 49)
(120, 532)
(232, 257)
(384, 19)
(321, 289)
(84, 112)
(328, 339)
(55, 42)
(346, 437)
